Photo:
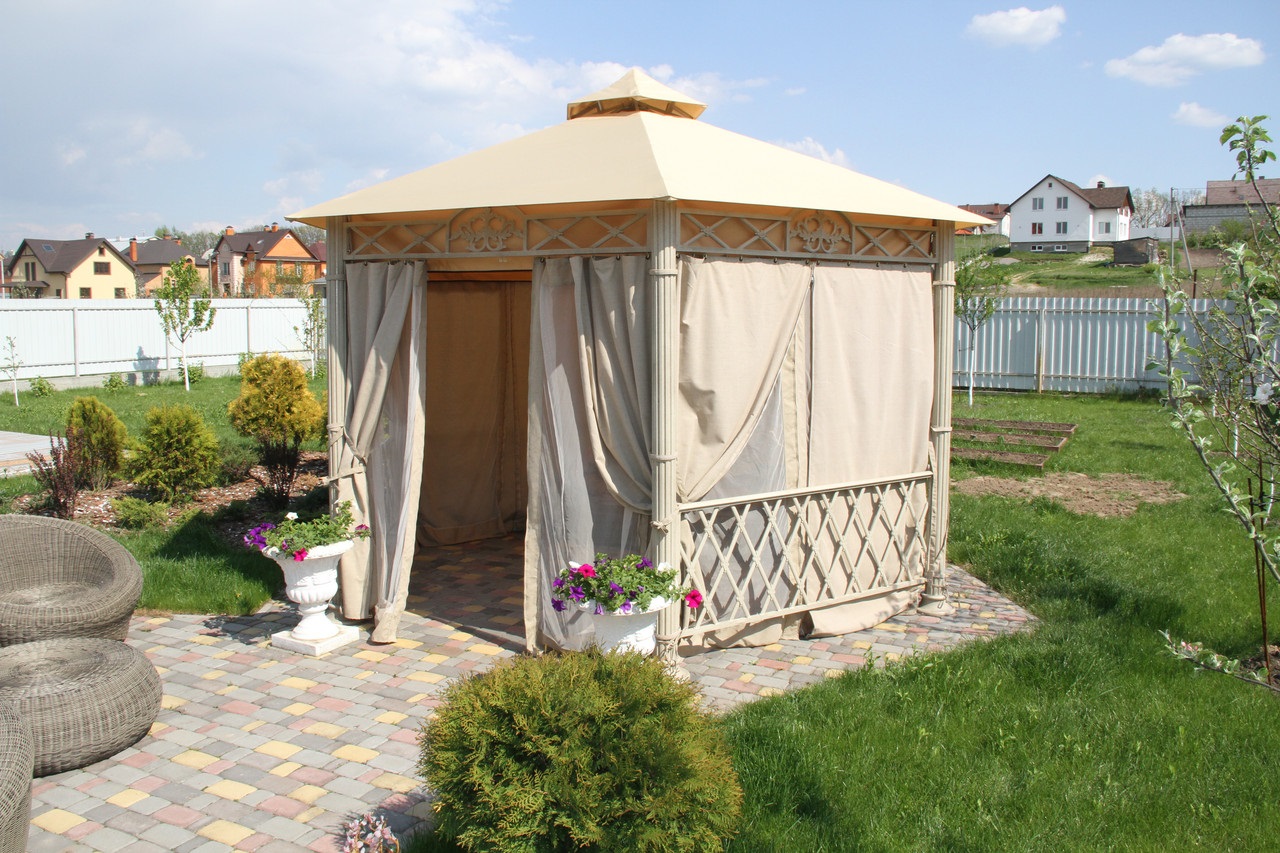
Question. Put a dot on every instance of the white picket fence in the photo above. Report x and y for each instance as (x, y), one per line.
(1064, 344)
(1059, 344)
(95, 337)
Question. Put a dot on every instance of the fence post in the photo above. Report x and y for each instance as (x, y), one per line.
(1040, 336)
(248, 329)
(75, 341)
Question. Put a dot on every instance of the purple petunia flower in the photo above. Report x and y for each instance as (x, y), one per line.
(599, 609)
(625, 608)
(645, 564)
(615, 589)
(576, 593)
(557, 582)
(557, 604)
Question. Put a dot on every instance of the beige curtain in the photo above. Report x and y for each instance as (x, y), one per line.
(477, 341)
(380, 459)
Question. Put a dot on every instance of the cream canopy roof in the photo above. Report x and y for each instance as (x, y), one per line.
(636, 140)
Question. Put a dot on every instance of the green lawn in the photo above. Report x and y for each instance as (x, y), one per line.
(1084, 734)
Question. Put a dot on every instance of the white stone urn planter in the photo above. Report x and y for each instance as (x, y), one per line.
(311, 584)
(636, 631)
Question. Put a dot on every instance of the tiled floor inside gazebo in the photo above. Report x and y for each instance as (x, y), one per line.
(260, 749)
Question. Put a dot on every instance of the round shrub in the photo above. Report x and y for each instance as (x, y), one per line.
(579, 750)
(103, 438)
(179, 453)
(278, 411)
(137, 514)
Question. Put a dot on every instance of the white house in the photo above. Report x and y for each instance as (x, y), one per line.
(996, 212)
(1058, 216)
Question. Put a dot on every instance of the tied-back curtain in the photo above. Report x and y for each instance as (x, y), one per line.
(380, 453)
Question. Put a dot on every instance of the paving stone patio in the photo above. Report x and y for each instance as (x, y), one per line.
(262, 750)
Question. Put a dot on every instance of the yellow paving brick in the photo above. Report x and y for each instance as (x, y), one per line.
(773, 647)
(833, 673)
(170, 702)
(230, 688)
(156, 728)
(214, 673)
(299, 708)
(416, 698)
(892, 656)
(861, 644)
(889, 626)
(435, 657)
(160, 669)
(802, 660)
(223, 655)
(204, 640)
(310, 814)
(987, 614)
(395, 782)
(57, 821)
(230, 790)
(403, 643)
(484, 649)
(358, 754)
(461, 635)
(308, 794)
(285, 769)
(278, 749)
(391, 718)
(979, 626)
(325, 730)
(298, 683)
(746, 677)
(225, 832)
(267, 664)
(127, 798)
(764, 691)
(429, 677)
(367, 673)
(194, 758)
(371, 656)
(250, 726)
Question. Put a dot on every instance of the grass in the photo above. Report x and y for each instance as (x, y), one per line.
(1084, 734)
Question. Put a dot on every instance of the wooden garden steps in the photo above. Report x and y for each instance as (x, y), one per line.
(991, 440)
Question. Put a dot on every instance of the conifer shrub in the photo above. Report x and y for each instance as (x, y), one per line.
(278, 411)
(236, 463)
(103, 438)
(179, 453)
(137, 514)
(579, 750)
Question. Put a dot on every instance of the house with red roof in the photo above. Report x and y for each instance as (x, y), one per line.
(261, 263)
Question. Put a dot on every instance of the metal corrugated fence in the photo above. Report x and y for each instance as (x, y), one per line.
(1065, 344)
(59, 338)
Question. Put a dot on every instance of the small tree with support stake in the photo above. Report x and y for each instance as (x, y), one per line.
(184, 308)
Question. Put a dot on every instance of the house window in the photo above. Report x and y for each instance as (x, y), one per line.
(120, 293)
(224, 268)
(29, 270)
(1062, 202)
(1037, 227)
(1059, 248)
(297, 269)
(102, 267)
(86, 293)
(1104, 227)
(1037, 204)
(1036, 247)
(279, 267)
(1061, 228)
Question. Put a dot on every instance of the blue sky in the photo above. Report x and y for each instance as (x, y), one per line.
(119, 117)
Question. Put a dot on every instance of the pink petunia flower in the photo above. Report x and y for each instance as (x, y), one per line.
(588, 571)
(300, 554)
(693, 599)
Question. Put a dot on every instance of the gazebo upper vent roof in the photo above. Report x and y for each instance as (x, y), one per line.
(635, 140)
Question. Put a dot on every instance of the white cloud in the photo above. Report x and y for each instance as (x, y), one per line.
(1094, 181)
(1020, 26)
(795, 90)
(1191, 113)
(368, 179)
(814, 148)
(1182, 57)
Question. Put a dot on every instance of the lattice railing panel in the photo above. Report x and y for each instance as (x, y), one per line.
(717, 232)
(787, 552)
(899, 243)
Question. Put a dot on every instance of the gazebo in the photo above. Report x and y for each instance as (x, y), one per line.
(634, 332)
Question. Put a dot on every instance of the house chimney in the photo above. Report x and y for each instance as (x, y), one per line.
(88, 235)
(133, 249)
(230, 231)
(1101, 184)
(275, 226)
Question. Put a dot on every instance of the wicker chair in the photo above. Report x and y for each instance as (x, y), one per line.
(17, 760)
(63, 579)
(84, 698)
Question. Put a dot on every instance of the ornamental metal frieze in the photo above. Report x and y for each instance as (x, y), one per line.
(819, 233)
(487, 231)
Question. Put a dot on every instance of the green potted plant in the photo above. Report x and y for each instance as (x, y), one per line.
(623, 595)
(308, 552)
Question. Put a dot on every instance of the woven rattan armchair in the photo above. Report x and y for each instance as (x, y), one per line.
(63, 579)
(17, 761)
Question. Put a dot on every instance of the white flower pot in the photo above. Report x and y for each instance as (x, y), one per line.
(627, 632)
(311, 584)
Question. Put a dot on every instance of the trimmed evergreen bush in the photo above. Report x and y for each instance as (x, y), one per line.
(579, 750)
(179, 453)
(235, 463)
(137, 514)
(278, 411)
(103, 438)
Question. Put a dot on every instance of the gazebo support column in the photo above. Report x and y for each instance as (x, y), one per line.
(665, 364)
(934, 600)
(336, 332)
